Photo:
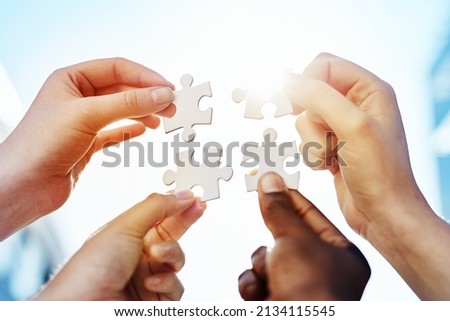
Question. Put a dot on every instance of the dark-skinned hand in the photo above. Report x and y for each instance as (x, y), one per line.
(311, 258)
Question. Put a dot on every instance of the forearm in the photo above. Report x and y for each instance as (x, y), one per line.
(18, 205)
(416, 242)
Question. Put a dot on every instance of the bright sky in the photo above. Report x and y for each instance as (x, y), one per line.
(228, 43)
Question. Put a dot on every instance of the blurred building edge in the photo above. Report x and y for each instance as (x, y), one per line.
(28, 257)
(440, 76)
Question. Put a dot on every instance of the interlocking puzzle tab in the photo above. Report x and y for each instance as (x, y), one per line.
(274, 163)
(188, 113)
(190, 174)
(256, 100)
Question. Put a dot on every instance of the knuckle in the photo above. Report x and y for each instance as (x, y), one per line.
(174, 252)
(131, 101)
(180, 264)
(170, 254)
(163, 233)
(313, 155)
(277, 202)
(61, 74)
(120, 60)
(155, 197)
(300, 122)
(116, 63)
(181, 290)
(260, 251)
(387, 90)
(158, 204)
(324, 56)
(57, 72)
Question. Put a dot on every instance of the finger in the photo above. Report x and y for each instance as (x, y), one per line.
(310, 131)
(318, 222)
(259, 262)
(168, 111)
(357, 84)
(150, 121)
(251, 288)
(103, 73)
(100, 111)
(310, 158)
(278, 210)
(313, 132)
(168, 253)
(173, 228)
(315, 162)
(346, 77)
(137, 281)
(169, 229)
(319, 145)
(144, 215)
(297, 109)
(117, 135)
(330, 105)
(177, 226)
(166, 283)
(112, 89)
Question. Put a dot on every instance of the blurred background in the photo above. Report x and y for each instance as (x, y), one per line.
(228, 43)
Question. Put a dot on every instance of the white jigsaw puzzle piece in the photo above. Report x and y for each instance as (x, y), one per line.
(188, 113)
(291, 180)
(188, 176)
(256, 100)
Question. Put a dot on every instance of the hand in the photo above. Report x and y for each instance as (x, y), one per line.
(372, 172)
(134, 257)
(311, 259)
(44, 156)
(376, 189)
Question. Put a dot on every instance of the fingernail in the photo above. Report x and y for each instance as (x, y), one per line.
(195, 211)
(161, 96)
(258, 251)
(240, 277)
(272, 183)
(184, 195)
(153, 280)
(162, 248)
(201, 206)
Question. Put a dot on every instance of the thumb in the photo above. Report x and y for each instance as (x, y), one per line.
(106, 109)
(143, 216)
(278, 210)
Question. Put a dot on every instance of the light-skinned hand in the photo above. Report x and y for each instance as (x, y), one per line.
(134, 257)
(44, 156)
(378, 195)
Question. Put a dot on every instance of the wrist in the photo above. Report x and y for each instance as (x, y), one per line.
(63, 289)
(400, 222)
(392, 235)
(414, 241)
